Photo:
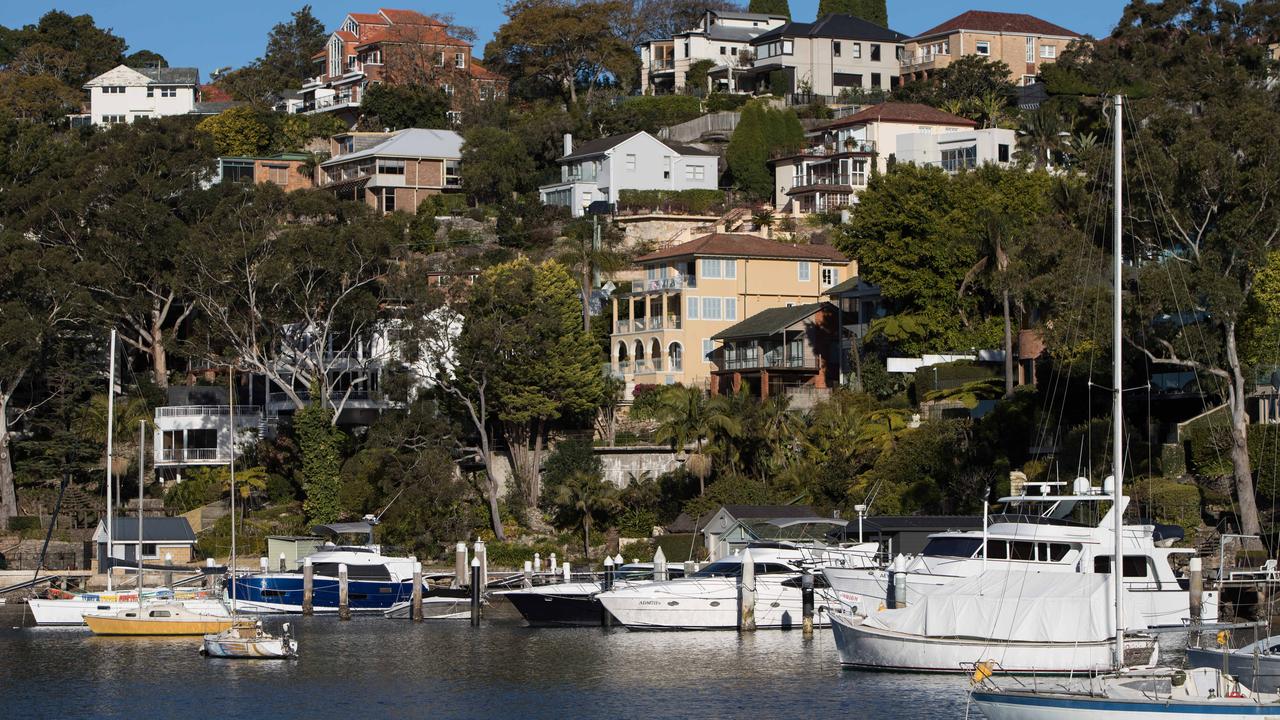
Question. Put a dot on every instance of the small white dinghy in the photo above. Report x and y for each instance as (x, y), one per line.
(247, 639)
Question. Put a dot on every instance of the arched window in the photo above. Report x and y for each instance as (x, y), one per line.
(675, 353)
(655, 353)
(639, 355)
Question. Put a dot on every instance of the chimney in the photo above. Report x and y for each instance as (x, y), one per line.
(568, 144)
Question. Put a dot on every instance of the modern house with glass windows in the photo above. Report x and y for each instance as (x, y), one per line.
(291, 171)
(597, 170)
(664, 326)
(393, 171)
(1023, 42)
(723, 38)
(825, 57)
(829, 174)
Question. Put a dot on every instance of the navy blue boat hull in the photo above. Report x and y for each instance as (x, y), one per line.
(283, 593)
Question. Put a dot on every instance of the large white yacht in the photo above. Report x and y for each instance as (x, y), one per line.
(1036, 533)
(708, 599)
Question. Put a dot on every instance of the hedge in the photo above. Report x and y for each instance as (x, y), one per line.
(720, 102)
(693, 202)
(1174, 503)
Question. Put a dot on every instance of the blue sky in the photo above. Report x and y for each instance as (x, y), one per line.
(215, 33)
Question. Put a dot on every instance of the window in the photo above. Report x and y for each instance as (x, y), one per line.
(711, 308)
(830, 276)
(730, 268)
(723, 50)
(151, 92)
(388, 200)
(459, 60)
(278, 174)
(875, 80)
(448, 89)
(965, 158)
(452, 178)
(691, 309)
(857, 80)
(1048, 52)
(858, 176)
(1134, 565)
(666, 167)
(1031, 50)
(983, 47)
(149, 550)
(391, 167)
(686, 48)
(731, 308)
(1002, 152)
(961, 547)
(631, 162)
(693, 172)
(875, 52)
(113, 90)
(237, 171)
(857, 51)
(711, 269)
(440, 59)
(804, 270)
(169, 92)
(114, 119)
(835, 48)
(706, 349)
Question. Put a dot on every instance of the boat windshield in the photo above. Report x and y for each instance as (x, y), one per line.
(956, 547)
(726, 568)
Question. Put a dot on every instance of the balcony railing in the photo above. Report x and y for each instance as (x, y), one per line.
(664, 64)
(677, 282)
(832, 179)
(177, 455)
(173, 411)
(752, 362)
(917, 59)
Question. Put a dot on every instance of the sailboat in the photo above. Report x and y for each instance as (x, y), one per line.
(245, 638)
(1127, 692)
(168, 618)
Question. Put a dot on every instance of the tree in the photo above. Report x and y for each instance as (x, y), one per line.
(590, 249)
(292, 45)
(241, 130)
(770, 7)
(685, 417)
(495, 165)
(146, 59)
(405, 106)
(321, 461)
(870, 10)
(586, 497)
(86, 50)
(37, 98)
(696, 80)
(747, 154)
(967, 79)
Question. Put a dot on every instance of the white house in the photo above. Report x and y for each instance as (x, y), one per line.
(833, 54)
(194, 428)
(723, 37)
(597, 170)
(123, 94)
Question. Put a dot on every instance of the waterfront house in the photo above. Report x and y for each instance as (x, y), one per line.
(124, 94)
(663, 326)
(161, 536)
(789, 350)
(837, 163)
(596, 170)
(393, 171)
(193, 428)
(399, 47)
(825, 57)
(1023, 42)
(732, 527)
(291, 171)
(723, 37)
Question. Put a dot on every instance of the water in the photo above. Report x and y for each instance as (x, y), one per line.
(371, 667)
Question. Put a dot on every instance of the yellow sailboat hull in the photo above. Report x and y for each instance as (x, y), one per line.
(106, 625)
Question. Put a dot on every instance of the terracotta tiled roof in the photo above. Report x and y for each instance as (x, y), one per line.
(998, 22)
(408, 17)
(902, 112)
(346, 36)
(368, 18)
(737, 245)
(432, 34)
(481, 72)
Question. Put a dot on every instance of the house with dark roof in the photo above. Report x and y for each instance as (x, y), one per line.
(161, 536)
(791, 350)
(596, 170)
(722, 37)
(399, 47)
(829, 174)
(825, 57)
(664, 326)
(124, 94)
(1023, 42)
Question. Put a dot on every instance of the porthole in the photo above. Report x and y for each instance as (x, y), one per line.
(715, 603)
(672, 603)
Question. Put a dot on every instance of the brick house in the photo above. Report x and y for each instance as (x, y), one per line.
(1024, 42)
(393, 171)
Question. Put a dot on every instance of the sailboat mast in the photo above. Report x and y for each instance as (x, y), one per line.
(1117, 387)
(142, 444)
(111, 415)
(231, 417)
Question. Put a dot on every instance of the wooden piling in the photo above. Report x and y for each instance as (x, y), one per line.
(475, 592)
(460, 565)
(415, 607)
(308, 586)
(806, 603)
(747, 595)
(344, 605)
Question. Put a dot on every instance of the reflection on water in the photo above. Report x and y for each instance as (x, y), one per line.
(376, 668)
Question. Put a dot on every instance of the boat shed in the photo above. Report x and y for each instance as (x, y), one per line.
(162, 536)
(292, 547)
(907, 534)
(732, 527)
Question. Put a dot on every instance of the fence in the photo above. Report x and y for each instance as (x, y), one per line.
(720, 123)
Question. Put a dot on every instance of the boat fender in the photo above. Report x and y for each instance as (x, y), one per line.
(1179, 679)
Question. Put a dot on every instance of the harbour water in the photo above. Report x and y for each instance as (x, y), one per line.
(371, 667)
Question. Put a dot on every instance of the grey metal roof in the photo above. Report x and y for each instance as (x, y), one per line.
(172, 75)
(154, 529)
(411, 142)
(347, 528)
(732, 15)
(769, 322)
(732, 34)
(854, 286)
(604, 144)
(840, 27)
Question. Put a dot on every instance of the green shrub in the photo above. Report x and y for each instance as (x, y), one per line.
(721, 102)
(443, 205)
(511, 555)
(694, 202)
(1174, 503)
(778, 83)
(20, 523)
(637, 522)
(950, 375)
(195, 490)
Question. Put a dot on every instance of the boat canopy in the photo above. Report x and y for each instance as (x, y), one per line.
(347, 528)
(1014, 607)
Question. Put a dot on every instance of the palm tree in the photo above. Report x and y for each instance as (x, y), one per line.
(587, 256)
(991, 106)
(782, 431)
(763, 219)
(994, 242)
(968, 394)
(685, 417)
(881, 428)
(1040, 135)
(583, 496)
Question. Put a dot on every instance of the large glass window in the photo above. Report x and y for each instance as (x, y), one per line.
(237, 171)
(964, 158)
(804, 271)
(390, 167)
(961, 547)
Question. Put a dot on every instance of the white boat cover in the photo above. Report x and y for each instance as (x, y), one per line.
(1014, 606)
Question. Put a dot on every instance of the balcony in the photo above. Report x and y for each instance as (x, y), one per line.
(767, 361)
(831, 148)
(808, 181)
(653, 285)
(191, 456)
(670, 322)
(923, 61)
(660, 64)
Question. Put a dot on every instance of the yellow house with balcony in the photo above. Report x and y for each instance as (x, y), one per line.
(663, 327)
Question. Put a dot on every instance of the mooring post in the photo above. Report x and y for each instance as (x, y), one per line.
(475, 592)
(209, 580)
(344, 606)
(460, 565)
(688, 568)
(806, 603)
(618, 561)
(552, 564)
(483, 555)
(168, 572)
(415, 607)
(747, 595)
(263, 564)
(1197, 592)
(282, 562)
(898, 584)
(528, 574)
(537, 563)
(567, 576)
(308, 586)
(606, 619)
(659, 565)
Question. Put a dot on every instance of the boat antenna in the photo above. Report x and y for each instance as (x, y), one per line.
(378, 518)
(1117, 404)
